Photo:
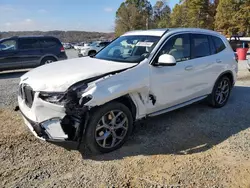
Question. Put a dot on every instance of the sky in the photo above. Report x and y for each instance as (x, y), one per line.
(44, 15)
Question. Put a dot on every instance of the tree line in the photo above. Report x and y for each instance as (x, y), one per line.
(225, 16)
(64, 36)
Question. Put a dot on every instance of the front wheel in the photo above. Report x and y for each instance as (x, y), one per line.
(109, 127)
(221, 92)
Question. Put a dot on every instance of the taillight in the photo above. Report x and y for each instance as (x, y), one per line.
(62, 49)
(236, 56)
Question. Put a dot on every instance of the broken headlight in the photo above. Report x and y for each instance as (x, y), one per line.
(56, 98)
(79, 89)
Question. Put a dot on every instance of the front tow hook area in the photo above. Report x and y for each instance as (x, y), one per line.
(16, 108)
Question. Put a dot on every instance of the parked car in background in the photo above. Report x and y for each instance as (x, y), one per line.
(92, 48)
(96, 100)
(67, 46)
(29, 52)
(236, 42)
(78, 45)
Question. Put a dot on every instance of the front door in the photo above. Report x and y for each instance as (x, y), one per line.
(172, 85)
(9, 58)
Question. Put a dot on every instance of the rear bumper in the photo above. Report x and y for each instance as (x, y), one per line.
(39, 132)
(62, 56)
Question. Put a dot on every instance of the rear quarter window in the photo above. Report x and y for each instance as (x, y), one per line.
(218, 43)
(49, 42)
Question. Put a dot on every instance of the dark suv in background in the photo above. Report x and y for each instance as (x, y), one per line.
(29, 52)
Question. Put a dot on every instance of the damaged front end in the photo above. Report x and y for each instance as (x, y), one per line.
(59, 118)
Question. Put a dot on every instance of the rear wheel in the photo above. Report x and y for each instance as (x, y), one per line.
(47, 60)
(108, 128)
(221, 92)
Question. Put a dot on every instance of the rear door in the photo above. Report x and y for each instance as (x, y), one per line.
(220, 57)
(204, 63)
(9, 58)
(30, 52)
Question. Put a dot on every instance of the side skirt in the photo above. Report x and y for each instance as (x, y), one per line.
(177, 106)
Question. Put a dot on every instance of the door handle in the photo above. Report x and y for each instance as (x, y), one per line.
(187, 68)
(218, 61)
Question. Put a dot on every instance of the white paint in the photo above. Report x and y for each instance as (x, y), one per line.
(156, 32)
(59, 76)
(171, 86)
(167, 59)
(54, 130)
(145, 44)
(241, 38)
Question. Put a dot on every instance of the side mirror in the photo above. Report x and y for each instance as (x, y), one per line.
(166, 60)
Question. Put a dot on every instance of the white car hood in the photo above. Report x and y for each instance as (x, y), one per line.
(59, 76)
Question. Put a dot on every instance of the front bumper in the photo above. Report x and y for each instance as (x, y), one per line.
(82, 53)
(40, 132)
(62, 56)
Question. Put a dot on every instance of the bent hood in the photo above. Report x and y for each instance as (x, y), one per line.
(59, 76)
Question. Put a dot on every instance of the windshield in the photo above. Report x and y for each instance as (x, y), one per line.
(94, 44)
(131, 49)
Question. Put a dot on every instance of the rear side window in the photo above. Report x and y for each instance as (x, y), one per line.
(219, 44)
(28, 43)
(212, 46)
(49, 42)
(200, 46)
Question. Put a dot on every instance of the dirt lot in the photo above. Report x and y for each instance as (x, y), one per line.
(196, 146)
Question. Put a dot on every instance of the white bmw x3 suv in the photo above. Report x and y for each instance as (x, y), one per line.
(94, 101)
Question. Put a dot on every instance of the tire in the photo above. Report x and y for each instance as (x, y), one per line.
(96, 131)
(220, 101)
(91, 53)
(48, 60)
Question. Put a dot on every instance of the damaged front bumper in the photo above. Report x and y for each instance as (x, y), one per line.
(61, 125)
(42, 133)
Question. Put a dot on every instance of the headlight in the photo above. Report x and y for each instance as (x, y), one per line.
(56, 98)
(78, 88)
(73, 93)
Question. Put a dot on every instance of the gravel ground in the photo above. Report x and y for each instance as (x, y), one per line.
(195, 146)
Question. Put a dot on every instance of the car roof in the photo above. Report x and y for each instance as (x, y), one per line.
(28, 36)
(161, 32)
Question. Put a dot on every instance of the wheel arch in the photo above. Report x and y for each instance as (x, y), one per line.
(125, 100)
(128, 102)
(92, 51)
(229, 74)
(46, 56)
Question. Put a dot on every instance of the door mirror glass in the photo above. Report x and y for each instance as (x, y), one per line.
(166, 60)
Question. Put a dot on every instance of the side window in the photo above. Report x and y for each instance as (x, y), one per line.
(212, 46)
(200, 46)
(219, 44)
(177, 46)
(27, 43)
(48, 42)
(102, 44)
(8, 45)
